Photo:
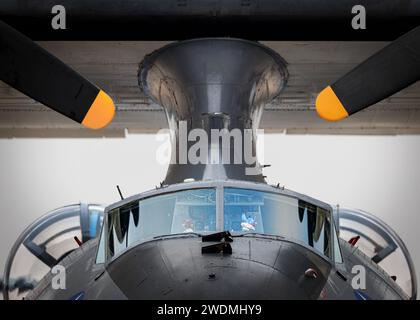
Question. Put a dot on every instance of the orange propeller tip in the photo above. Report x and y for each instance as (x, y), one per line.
(100, 113)
(329, 107)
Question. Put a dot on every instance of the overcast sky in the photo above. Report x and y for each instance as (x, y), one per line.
(379, 174)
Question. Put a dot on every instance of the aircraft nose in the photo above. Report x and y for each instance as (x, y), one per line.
(258, 268)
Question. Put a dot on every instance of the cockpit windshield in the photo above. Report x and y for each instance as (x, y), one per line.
(248, 210)
(178, 212)
(197, 211)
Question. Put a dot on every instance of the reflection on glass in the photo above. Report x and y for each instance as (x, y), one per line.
(96, 216)
(338, 258)
(178, 212)
(262, 212)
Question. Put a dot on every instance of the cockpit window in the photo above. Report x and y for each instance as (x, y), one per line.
(338, 258)
(179, 212)
(263, 212)
(194, 210)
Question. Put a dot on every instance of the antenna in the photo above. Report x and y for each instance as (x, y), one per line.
(79, 243)
(119, 191)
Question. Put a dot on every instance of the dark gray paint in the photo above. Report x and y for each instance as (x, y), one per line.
(257, 269)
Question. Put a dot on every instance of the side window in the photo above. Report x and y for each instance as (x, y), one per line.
(100, 257)
(321, 231)
(338, 258)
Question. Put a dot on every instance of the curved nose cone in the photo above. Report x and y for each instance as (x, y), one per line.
(258, 268)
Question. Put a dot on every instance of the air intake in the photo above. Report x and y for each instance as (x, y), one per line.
(215, 86)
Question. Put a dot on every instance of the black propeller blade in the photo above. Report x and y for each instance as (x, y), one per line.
(27, 67)
(383, 74)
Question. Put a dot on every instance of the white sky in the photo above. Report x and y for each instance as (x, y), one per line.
(379, 174)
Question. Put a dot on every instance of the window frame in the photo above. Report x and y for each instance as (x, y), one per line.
(219, 186)
(138, 199)
(332, 229)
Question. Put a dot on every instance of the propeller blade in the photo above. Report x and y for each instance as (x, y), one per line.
(383, 74)
(27, 67)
